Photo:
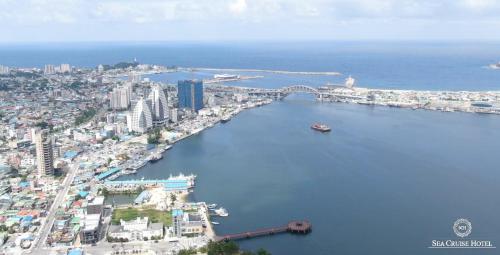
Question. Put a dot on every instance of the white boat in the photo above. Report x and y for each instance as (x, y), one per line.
(495, 66)
(211, 206)
(168, 147)
(155, 157)
(225, 119)
(222, 212)
(215, 222)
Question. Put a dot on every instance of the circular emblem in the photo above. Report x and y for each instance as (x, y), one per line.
(462, 227)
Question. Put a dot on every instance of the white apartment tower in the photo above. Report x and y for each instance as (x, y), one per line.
(44, 153)
(65, 68)
(49, 69)
(120, 97)
(141, 119)
(158, 103)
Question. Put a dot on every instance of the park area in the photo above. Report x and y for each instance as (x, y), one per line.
(154, 215)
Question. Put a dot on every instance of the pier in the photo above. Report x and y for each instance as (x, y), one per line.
(296, 227)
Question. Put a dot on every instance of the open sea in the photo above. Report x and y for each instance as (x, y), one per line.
(384, 181)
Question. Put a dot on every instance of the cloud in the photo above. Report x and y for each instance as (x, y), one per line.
(237, 6)
(246, 18)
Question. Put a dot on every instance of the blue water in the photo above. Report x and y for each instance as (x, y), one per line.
(406, 65)
(384, 181)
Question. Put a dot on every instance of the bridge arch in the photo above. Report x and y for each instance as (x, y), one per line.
(298, 89)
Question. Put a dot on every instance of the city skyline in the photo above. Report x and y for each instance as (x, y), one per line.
(132, 20)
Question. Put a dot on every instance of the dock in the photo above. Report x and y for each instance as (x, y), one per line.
(295, 227)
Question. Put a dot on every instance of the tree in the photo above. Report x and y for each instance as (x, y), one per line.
(173, 198)
(154, 136)
(262, 252)
(223, 248)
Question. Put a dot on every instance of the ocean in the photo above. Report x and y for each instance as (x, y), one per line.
(384, 181)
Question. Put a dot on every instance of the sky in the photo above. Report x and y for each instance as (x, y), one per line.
(227, 20)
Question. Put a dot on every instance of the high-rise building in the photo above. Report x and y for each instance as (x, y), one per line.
(49, 69)
(134, 77)
(44, 153)
(159, 108)
(65, 68)
(190, 94)
(141, 119)
(4, 69)
(119, 98)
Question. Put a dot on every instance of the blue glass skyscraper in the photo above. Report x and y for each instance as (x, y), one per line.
(190, 94)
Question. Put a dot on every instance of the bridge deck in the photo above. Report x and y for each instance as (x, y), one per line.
(301, 227)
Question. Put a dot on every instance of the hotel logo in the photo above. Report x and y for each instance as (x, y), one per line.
(462, 228)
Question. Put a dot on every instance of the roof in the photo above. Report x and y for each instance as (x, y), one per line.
(156, 226)
(76, 251)
(97, 201)
(108, 173)
(177, 212)
(176, 184)
(144, 195)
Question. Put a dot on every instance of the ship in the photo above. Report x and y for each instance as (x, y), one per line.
(495, 66)
(226, 76)
(321, 127)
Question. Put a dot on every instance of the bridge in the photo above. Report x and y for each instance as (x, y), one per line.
(276, 93)
(297, 227)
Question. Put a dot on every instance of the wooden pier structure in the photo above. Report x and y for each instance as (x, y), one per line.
(297, 227)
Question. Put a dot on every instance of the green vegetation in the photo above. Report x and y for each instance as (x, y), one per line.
(222, 248)
(44, 125)
(154, 136)
(120, 65)
(28, 75)
(187, 252)
(75, 84)
(154, 215)
(85, 116)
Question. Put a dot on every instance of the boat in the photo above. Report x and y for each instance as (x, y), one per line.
(138, 164)
(155, 157)
(168, 147)
(222, 212)
(215, 222)
(321, 127)
(225, 119)
(211, 206)
(495, 66)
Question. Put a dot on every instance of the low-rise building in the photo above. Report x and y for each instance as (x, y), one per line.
(136, 230)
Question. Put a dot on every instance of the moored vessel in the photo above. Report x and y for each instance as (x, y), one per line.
(222, 212)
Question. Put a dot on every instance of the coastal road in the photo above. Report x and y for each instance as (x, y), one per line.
(45, 229)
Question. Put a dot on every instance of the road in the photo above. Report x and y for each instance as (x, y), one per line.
(46, 227)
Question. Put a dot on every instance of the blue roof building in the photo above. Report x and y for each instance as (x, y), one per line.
(108, 173)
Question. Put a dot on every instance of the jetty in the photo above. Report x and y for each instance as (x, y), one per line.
(295, 227)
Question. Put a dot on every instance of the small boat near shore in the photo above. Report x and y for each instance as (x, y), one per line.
(211, 206)
(225, 119)
(221, 212)
(155, 157)
(321, 127)
(215, 222)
